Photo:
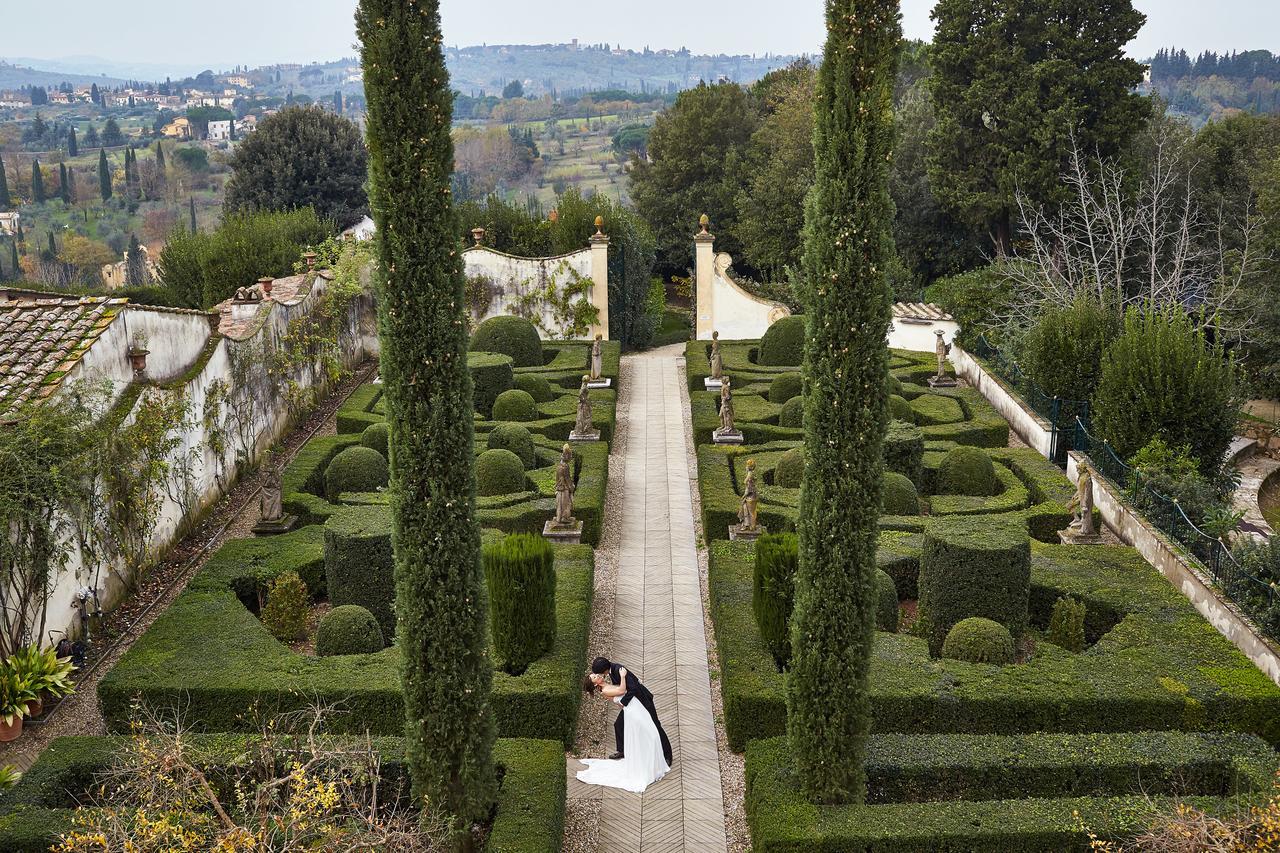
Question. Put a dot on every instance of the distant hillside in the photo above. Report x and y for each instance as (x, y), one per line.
(1212, 86)
(16, 76)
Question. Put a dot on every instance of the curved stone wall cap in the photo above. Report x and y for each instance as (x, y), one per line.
(492, 251)
(724, 267)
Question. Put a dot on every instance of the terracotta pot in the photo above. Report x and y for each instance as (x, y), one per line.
(11, 731)
(138, 358)
(36, 706)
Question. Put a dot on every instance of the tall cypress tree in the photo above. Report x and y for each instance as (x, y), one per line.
(16, 270)
(5, 201)
(37, 183)
(73, 147)
(440, 593)
(160, 156)
(848, 248)
(192, 199)
(104, 175)
(64, 185)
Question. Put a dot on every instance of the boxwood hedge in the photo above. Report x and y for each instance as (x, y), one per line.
(358, 565)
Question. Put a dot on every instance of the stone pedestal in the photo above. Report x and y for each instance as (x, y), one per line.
(737, 534)
(275, 528)
(723, 436)
(942, 382)
(594, 435)
(712, 384)
(563, 534)
(602, 382)
(1073, 537)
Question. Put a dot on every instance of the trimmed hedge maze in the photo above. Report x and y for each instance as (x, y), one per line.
(529, 816)
(972, 756)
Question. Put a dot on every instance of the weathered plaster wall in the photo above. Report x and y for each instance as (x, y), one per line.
(513, 276)
(918, 335)
(1030, 427)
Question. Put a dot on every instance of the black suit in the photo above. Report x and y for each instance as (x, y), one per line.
(640, 693)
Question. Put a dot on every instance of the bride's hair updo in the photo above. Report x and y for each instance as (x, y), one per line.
(588, 686)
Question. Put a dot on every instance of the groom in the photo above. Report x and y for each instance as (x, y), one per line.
(602, 669)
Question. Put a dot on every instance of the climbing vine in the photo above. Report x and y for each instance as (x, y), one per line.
(572, 314)
(481, 291)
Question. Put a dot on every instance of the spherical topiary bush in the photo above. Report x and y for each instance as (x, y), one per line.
(499, 472)
(513, 336)
(356, 469)
(376, 437)
(900, 409)
(886, 603)
(979, 640)
(515, 438)
(898, 495)
(789, 471)
(491, 374)
(349, 630)
(967, 471)
(515, 405)
(783, 343)
(784, 387)
(537, 387)
(792, 413)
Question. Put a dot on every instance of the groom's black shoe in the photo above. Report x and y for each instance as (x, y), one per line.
(616, 756)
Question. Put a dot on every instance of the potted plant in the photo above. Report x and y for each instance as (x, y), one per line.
(15, 695)
(138, 352)
(46, 675)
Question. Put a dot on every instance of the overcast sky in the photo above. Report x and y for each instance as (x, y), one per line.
(259, 32)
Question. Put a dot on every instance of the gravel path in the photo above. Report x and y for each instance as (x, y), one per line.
(230, 518)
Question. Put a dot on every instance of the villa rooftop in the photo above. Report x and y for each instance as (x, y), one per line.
(43, 337)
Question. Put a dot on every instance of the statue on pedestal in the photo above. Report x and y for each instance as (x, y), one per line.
(597, 359)
(1082, 505)
(270, 502)
(564, 489)
(717, 361)
(726, 406)
(583, 424)
(942, 349)
(748, 513)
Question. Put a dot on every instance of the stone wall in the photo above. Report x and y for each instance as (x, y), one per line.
(722, 304)
(515, 282)
(1030, 427)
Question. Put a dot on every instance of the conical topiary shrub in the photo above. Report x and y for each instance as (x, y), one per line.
(772, 591)
(520, 571)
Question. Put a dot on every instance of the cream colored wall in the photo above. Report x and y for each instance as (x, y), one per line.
(512, 275)
(723, 306)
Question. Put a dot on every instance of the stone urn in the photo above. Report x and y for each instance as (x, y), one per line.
(138, 359)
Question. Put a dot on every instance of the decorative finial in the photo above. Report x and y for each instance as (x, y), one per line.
(599, 226)
(478, 235)
(704, 221)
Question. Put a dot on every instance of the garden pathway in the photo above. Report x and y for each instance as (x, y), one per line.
(658, 624)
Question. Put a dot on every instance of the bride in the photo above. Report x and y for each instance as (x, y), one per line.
(642, 763)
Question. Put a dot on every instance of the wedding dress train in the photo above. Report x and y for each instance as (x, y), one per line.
(642, 764)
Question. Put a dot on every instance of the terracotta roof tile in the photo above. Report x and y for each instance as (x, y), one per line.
(919, 311)
(43, 338)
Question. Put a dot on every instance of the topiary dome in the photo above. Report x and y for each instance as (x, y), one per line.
(783, 343)
(513, 336)
(979, 640)
(349, 630)
(499, 472)
(356, 469)
(515, 405)
(515, 438)
(790, 469)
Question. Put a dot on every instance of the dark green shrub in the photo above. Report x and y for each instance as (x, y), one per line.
(967, 471)
(515, 405)
(499, 472)
(513, 336)
(974, 566)
(537, 387)
(904, 449)
(893, 385)
(285, 613)
(1066, 626)
(520, 571)
(974, 299)
(783, 343)
(1063, 351)
(790, 469)
(515, 438)
(792, 413)
(349, 630)
(886, 603)
(356, 469)
(784, 387)
(900, 409)
(358, 566)
(375, 437)
(1164, 377)
(772, 591)
(491, 374)
(898, 495)
(979, 640)
(1174, 475)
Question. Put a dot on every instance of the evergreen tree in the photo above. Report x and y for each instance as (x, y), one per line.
(64, 188)
(94, 95)
(848, 248)
(14, 267)
(91, 137)
(160, 157)
(73, 148)
(37, 183)
(440, 597)
(1014, 83)
(135, 268)
(5, 201)
(70, 182)
(53, 248)
(104, 175)
(192, 199)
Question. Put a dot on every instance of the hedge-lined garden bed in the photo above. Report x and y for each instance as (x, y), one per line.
(529, 815)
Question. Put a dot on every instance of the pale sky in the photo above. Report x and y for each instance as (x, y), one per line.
(220, 35)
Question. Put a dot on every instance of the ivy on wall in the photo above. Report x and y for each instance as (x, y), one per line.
(566, 294)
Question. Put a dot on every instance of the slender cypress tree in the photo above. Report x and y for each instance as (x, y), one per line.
(192, 199)
(5, 201)
(53, 247)
(16, 270)
(848, 247)
(160, 156)
(64, 189)
(70, 182)
(37, 183)
(104, 175)
(73, 147)
(440, 593)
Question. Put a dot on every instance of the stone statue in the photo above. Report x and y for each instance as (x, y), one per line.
(717, 361)
(564, 489)
(726, 406)
(943, 349)
(1082, 504)
(748, 513)
(597, 359)
(270, 502)
(583, 425)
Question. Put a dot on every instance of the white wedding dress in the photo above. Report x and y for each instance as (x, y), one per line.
(642, 764)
